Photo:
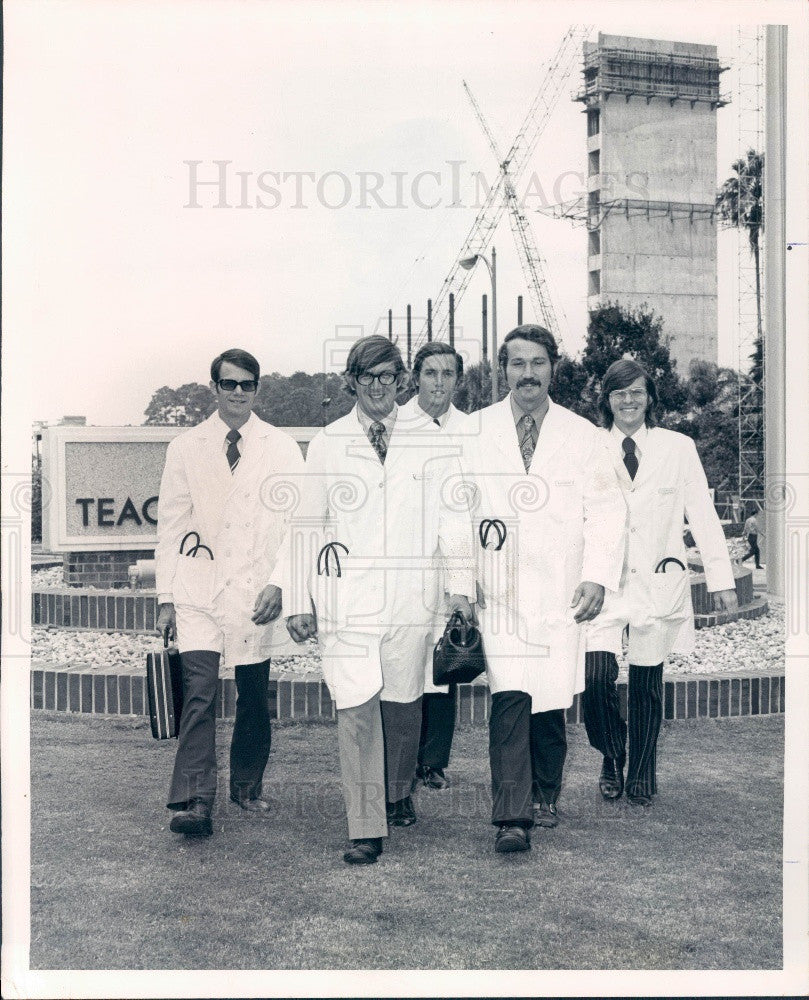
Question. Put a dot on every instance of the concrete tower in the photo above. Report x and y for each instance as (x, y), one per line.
(651, 149)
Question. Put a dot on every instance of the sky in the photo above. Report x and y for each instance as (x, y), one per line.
(129, 276)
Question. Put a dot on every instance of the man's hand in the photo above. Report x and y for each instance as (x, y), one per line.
(460, 603)
(726, 600)
(268, 605)
(166, 622)
(590, 599)
(301, 627)
(481, 601)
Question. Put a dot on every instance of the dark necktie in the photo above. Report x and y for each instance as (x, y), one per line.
(436, 421)
(376, 435)
(630, 458)
(233, 449)
(527, 442)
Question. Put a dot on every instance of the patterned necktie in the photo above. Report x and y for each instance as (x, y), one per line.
(527, 442)
(233, 451)
(376, 435)
(630, 458)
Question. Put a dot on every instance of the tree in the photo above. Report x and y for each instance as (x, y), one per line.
(475, 390)
(183, 407)
(740, 203)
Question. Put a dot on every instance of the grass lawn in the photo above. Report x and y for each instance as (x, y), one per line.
(695, 883)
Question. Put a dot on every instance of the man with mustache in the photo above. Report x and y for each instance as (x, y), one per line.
(550, 523)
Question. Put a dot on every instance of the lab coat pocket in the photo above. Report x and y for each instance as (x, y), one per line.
(194, 581)
(670, 595)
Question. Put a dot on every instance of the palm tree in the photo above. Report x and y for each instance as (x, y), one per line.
(740, 202)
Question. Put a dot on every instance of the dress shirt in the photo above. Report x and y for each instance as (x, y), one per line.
(639, 437)
(538, 414)
(246, 432)
(387, 422)
(441, 418)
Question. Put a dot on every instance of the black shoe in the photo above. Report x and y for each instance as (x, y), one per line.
(611, 782)
(363, 851)
(195, 821)
(258, 804)
(545, 814)
(640, 801)
(512, 838)
(401, 813)
(432, 777)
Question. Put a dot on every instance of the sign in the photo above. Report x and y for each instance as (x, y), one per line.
(101, 485)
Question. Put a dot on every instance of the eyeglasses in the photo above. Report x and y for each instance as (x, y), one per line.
(229, 384)
(633, 395)
(385, 378)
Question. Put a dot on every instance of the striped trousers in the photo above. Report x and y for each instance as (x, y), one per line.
(607, 731)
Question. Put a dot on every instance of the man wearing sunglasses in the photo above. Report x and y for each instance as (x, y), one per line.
(377, 506)
(662, 482)
(220, 600)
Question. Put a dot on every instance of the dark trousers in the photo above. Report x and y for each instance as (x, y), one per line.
(527, 754)
(607, 731)
(752, 541)
(401, 726)
(437, 728)
(194, 775)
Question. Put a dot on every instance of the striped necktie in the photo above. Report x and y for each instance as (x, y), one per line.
(630, 458)
(233, 449)
(527, 442)
(376, 435)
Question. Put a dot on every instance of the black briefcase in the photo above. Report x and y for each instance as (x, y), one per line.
(164, 682)
(458, 657)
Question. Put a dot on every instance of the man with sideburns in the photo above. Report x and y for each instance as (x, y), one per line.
(217, 542)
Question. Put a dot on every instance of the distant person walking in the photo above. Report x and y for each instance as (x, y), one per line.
(751, 534)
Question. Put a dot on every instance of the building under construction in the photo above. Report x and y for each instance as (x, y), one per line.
(651, 153)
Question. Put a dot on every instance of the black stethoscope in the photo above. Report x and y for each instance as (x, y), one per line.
(325, 554)
(193, 551)
(661, 566)
(486, 526)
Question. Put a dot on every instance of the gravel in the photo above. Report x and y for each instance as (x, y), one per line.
(755, 645)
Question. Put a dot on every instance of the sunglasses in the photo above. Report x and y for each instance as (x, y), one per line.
(229, 384)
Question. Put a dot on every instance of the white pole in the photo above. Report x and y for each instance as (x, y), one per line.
(775, 139)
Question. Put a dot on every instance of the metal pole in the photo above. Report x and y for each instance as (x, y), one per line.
(429, 320)
(452, 319)
(519, 310)
(485, 330)
(775, 72)
(408, 336)
(495, 373)
(390, 324)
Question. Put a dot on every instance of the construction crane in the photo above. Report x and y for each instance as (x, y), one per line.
(533, 265)
(480, 235)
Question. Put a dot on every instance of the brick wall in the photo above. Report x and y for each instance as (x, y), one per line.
(100, 569)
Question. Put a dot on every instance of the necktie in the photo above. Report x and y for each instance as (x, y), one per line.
(436, 421)
(233, 449)
(630, 458)
(376, 435)
(527, 442)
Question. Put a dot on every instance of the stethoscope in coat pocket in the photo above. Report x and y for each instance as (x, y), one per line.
(661, 566)
(324, 556)
(486, 526)
(193, 551)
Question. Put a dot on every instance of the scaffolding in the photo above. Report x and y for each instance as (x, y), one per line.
(641, 73)
(592, 210)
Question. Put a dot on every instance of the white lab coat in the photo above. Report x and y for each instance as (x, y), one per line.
(375, 619)
(241, 517)
(669, 484)
(564, 523)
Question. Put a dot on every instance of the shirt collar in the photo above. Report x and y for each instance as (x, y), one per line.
(538, 414)
(639, 437)
(387, 421)
(442, 420)
(246, 430)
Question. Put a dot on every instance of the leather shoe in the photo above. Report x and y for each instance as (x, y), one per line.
(432, 777)
(640, 801)
(363, 851)
(545, 814)
(512, 838)
(195, 821)
(258, 805)
(611, 781)
(401, 813)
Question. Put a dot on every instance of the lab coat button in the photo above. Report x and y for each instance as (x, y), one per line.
(633, 530)
(634, 571)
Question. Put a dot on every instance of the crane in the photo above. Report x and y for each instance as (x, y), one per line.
(533, 264)
(491, 212)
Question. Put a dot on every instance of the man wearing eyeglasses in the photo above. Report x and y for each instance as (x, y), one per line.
(220, 600)
(662, 481)
(377, 505)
